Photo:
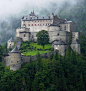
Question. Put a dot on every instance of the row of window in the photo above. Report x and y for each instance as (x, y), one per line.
(40, 21)
(64, 28)
(38, 24)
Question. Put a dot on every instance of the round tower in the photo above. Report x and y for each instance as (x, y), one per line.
(15, 63)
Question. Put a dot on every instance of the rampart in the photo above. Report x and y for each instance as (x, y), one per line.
(26, 59)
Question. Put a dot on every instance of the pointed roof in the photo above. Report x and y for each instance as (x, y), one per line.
(32, 13)
(15, 50)
(11, 40)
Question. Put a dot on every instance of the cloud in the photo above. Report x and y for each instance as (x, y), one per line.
(16, 6)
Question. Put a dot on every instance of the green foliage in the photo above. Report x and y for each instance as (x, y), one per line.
(56, 73)
(31, 53)
(42, 38)
(82, 39)
(29, 48)
(1, 53)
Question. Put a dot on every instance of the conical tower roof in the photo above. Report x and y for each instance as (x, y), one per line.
(11, 40)
(15, 50)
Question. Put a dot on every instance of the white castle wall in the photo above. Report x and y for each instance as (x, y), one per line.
(6, 60)
(10, 44)
(75, 35)
(65, 27)
(76, 47)
(61, 49)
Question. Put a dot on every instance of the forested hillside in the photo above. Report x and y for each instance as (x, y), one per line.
(76, 13)
(56, 73)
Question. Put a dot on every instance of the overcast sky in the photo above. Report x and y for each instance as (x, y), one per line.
(16, 6)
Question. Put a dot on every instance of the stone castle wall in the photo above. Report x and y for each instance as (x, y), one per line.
(6, 60)
(24, 59)
(36, 23)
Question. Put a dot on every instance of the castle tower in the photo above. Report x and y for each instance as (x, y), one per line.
(15, 57)
(76, 46)
(60, 46)
(10, 43)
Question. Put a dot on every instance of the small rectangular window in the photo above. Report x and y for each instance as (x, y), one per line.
(65, 27)
(24, 35)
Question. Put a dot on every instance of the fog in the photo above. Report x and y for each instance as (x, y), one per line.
(8, 7)
(11, 12)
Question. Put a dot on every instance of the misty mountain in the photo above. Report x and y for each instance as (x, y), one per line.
(11, 19)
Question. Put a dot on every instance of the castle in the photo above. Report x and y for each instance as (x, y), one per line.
(59, 34)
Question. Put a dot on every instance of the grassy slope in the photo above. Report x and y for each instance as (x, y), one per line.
(39, 46)
(33, 52)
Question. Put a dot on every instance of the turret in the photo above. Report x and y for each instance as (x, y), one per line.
(15, 63)
(52, 15)
(10, 43)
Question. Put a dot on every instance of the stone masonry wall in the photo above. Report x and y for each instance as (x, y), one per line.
(26, 59)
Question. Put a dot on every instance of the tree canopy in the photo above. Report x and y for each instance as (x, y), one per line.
(56, 73)
(42, 38)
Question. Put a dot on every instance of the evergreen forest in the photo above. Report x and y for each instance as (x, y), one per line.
(56, 73)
